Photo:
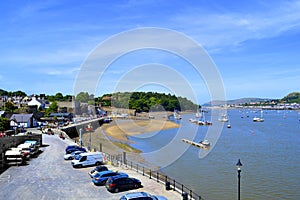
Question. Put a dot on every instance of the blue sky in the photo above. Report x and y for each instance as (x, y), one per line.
(255, 45)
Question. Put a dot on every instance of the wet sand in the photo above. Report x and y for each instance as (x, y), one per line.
(113, 137)
(120, 129)
(115, 134)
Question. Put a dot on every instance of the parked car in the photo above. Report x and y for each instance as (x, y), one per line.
(14, 157)
(33, 150)
(25, 152)
(97, 169)
(89, 159)
(72, 155)
(141, 195)
(101, 177)
(116, 184)
(33, 142)
(72, 148)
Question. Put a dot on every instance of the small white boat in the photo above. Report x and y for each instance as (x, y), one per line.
(223, 118)
(259, 119)
(203, 122)
(205, 143)
(193, 120)
(176, 115)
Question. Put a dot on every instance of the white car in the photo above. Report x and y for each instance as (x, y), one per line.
(72, 155)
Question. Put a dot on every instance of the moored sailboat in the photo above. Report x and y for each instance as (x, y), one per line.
(259, 119)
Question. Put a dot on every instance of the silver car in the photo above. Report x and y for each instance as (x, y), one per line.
(72, 155)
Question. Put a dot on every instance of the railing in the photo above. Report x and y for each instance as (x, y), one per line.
(156, 175)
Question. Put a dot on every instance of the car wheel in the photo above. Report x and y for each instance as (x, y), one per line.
(116, 190)
(136, 186)
(97, 163)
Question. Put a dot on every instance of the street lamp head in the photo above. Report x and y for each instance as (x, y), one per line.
(239, 165)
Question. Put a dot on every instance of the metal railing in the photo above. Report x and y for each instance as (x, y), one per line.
(155, 175)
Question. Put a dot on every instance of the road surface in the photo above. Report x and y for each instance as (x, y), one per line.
(49, 176)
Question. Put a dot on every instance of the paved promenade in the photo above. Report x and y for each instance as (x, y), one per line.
(49, 176)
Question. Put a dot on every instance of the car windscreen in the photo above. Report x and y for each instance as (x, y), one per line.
(78, 157)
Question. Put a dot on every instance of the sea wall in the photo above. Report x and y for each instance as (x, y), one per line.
(73, 130)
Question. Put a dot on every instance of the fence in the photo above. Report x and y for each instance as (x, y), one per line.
(156, 175)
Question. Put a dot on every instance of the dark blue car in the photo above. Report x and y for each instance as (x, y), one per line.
(72, 148)
(101, 177)
(118, 183)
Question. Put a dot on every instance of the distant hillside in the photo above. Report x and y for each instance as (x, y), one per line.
(236, 101)
(293, 97)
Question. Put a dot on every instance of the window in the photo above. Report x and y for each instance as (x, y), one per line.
(106, 175)
(83, 158)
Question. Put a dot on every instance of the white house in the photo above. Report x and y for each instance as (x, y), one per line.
(36, 102)
(23, 120)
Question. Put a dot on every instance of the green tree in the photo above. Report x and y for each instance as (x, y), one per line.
(4, 124)
(83, 97)
(19, 93)
(144, 101)
(91, 102)
(52, 108)
(9, 106)
(58, 97)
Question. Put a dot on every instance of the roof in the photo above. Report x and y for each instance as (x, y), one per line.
(21, 117)
(91, 153)
(137, 194)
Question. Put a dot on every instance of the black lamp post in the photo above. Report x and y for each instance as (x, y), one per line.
(239, 169)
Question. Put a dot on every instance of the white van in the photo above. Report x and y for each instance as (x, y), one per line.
(88, 159)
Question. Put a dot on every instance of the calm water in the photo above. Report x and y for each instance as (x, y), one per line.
(269, 151)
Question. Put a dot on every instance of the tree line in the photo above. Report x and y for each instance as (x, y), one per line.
(147, 101)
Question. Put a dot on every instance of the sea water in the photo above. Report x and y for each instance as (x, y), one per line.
(269, 152)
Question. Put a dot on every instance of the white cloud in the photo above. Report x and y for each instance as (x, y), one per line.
(216, 30)
(59, 71)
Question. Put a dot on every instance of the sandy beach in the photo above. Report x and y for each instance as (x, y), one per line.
(120, 129)
(114, 136)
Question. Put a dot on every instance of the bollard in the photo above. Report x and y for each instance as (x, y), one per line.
(184, 196)
(168, 185)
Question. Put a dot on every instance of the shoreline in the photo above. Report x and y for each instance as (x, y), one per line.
(113, 137)
(121, 129)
